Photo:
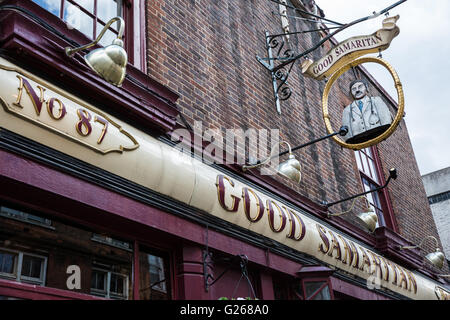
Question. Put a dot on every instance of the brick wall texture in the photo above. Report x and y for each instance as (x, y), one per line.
(205, 51)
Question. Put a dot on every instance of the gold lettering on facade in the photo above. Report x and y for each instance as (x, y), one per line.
(365, 261)
(348, 253)
(36, 100)
(386, 268)
(403, 279)
(335, 246)
(376, 265)
(412, 281)
(325, 246)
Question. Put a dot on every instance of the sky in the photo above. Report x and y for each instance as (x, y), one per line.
(419, 54)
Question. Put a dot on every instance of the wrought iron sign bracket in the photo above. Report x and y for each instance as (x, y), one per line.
(287, 58)
(392, 175)
(281, 90)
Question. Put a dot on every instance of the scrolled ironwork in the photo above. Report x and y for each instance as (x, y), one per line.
(285, 92)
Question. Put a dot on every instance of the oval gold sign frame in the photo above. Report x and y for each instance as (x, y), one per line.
(397, 119)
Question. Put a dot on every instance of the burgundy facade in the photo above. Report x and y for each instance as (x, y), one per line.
(133, 243)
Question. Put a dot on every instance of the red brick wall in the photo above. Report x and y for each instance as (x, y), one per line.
(205, 51)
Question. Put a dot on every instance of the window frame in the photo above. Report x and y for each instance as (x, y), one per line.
(18, 264)
(383, 194)
(18, 215)
(326, 283)
(107, 293)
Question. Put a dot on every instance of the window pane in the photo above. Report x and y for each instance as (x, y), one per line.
(153, 282)
(7, 262)
(373, 173)
(53, 6)
(358, 161)
(86, 4)
(108, 37)
(324, 294)
(312, 287)
(31, 267)
(108, 9)
(117, 284)
(98, 280)
(79, 20)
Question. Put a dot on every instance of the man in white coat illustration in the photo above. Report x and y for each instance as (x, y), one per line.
(366, 117)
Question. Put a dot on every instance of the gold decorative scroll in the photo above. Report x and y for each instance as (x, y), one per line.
(351, 49)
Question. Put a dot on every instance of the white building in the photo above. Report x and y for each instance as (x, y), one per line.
(437, 187)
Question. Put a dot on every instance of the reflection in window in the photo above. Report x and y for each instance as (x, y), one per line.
(108, 284)
(22, 267)
(87, 16)
(23, 216)
(49, 252)
(317, 291)
(7, 262)
(153, 277)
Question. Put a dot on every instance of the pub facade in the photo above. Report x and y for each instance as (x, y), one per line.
(111, 191)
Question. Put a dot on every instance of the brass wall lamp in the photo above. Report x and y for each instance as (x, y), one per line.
(291, 167)
(436, 258)
(369, 218)
(109, 62)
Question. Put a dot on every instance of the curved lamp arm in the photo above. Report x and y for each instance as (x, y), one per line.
(351, 208)
(342, 131)
(420, 244)
(118, 41)
(260, 163)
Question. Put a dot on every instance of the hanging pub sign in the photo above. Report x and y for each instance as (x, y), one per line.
(351, 49)
(367, 118)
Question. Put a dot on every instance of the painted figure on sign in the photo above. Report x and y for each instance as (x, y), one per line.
(366, 117)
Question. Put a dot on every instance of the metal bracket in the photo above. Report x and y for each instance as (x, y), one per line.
(281, 90)
(392, 175)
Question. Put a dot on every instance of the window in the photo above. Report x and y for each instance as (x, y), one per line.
(439, 197)
(367, 163)
(111, 241)
(302, 288)
(22, 267)
(25, 217)
(8, 263)
(369, 166)
(106, 283)
(154, 280)
(90, 16)
(316, 290)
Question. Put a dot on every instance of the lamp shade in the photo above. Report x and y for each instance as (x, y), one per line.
(436, 258)
(109, 62)
(290, 168)
(370, 220)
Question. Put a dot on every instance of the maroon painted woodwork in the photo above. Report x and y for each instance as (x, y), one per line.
(32, 292)
(388, 243)
(314, 271)
(190, 278)
(140, 100)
